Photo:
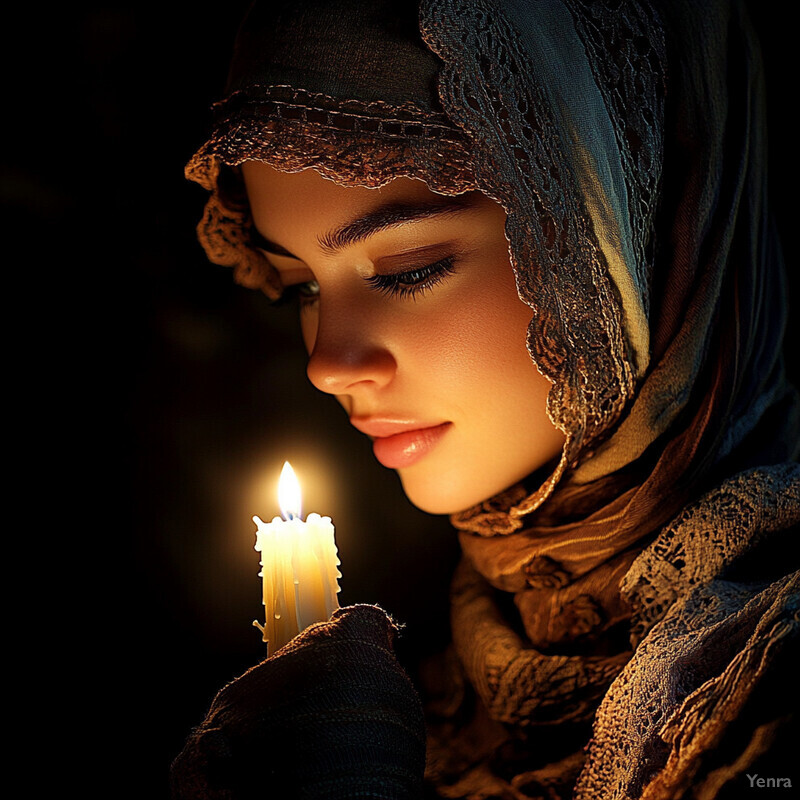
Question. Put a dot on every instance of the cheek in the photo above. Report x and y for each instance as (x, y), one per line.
(478, 334)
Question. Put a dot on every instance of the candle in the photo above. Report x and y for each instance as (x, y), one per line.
(299, 567)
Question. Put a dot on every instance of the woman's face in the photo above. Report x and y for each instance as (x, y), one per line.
(411, 318)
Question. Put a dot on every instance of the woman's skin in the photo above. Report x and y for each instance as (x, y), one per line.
(412, 320)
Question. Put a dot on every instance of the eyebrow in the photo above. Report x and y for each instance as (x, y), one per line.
(388, 216)
(379, 219)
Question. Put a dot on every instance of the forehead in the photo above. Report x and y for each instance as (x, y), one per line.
(288, 202)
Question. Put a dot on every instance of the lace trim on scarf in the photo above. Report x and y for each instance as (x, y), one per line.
(351, 142)
(628, 59)
(577, 336)
(710, 621)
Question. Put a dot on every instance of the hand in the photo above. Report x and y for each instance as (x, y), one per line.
(330, 715)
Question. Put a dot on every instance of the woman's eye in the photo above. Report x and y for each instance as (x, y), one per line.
(413, 282)
(307, 293)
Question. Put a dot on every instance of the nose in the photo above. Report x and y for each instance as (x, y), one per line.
(346, 355)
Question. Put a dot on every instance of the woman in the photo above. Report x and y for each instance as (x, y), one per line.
(535, 264)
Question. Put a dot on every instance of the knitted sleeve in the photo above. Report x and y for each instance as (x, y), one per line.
(331, 715)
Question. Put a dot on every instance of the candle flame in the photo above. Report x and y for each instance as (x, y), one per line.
(289, 496)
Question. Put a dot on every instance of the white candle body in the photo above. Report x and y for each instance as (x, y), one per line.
(299, 572)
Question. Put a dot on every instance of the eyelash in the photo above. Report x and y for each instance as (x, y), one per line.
(412, 283)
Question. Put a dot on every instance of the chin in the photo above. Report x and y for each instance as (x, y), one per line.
(433, 496)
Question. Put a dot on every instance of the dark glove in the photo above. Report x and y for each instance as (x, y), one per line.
(330, 715)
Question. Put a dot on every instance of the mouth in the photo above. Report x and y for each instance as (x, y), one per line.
(400, 443)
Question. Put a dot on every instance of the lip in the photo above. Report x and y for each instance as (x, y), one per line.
(400, 443)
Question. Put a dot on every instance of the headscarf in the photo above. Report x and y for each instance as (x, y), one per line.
(626, 144)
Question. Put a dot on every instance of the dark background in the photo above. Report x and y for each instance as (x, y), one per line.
(152, 403)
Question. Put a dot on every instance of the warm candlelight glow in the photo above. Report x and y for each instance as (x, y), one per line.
(289, 495)
(299, 567)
